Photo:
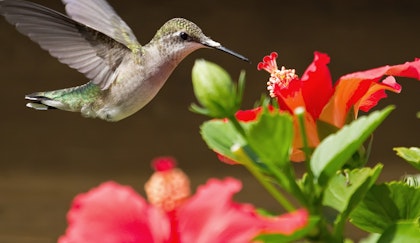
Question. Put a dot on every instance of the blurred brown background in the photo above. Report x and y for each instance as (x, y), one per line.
(46, 158)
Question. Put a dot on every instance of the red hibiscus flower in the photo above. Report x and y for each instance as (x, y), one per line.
(112, 213)
(315, 92)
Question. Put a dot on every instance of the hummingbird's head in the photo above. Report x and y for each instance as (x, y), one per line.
(183, 37)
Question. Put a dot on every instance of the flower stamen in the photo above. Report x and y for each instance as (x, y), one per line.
(169, 186)
(279, 78)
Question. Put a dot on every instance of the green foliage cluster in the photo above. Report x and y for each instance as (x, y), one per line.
(334, 189)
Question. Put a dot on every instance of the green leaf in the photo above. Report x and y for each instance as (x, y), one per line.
(411, 155)
(349, 187)
(385, 205)
(335, 150)
(345, 191)
(220, 136)
(372, 238)
(297, 235)
(199, 110)
(406, 231)
(240, 88)
(271, 136)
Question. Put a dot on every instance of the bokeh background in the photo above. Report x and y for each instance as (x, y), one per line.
(46, 158)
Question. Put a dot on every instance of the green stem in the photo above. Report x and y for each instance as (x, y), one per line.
(310, 189)
(295, 190)
(300, 114)
(237, 125)
(249, 164)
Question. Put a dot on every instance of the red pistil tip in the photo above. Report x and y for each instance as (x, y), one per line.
(161, 164)
(269, 63)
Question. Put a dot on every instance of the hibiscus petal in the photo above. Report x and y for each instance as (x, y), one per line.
(317, 86)
(248, 115)
(210, 216)
(289, 97)
(311, 134)
(286, 223)
(112, 213)
(225, 159)
(377, 92)
(408, 70)
(347, 92)
(363, 90)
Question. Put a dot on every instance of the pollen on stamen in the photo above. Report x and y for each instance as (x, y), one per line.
(169, 186)
(280, 79)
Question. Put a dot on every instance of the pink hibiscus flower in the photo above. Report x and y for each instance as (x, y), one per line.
(112, 213)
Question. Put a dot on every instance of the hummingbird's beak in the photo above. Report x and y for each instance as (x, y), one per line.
(216, 45)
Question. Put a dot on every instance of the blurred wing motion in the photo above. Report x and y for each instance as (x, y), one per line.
(95, 46)
(100, 16)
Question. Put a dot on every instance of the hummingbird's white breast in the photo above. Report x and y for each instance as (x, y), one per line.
(139, 79)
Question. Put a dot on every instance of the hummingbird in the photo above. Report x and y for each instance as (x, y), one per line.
(124, 75)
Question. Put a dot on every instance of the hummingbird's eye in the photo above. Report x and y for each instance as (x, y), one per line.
(184, 36)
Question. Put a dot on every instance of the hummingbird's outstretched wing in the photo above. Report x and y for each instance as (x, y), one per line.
(81, 47)
(99, 15)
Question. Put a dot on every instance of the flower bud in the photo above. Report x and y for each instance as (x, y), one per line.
(214, 90)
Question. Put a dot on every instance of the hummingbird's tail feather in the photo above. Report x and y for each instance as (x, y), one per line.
(70, 99)
(39, 102)
(49, 100)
